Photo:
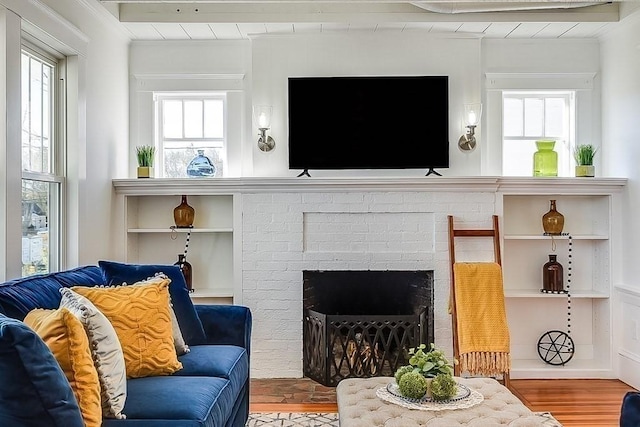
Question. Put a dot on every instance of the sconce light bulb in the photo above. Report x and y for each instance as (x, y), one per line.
(472, 120)
(262, 121)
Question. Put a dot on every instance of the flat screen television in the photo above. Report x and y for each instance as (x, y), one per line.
(397, 122)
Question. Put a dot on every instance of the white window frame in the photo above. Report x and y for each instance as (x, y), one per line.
(565, 159)
(587, 123)
(159, 139)
(57, 167)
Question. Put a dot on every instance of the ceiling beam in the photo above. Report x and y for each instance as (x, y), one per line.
(358, 11)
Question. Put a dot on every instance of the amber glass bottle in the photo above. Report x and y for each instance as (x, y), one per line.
(552, 275)
(183, 214)
(187, 271)
(553, 221)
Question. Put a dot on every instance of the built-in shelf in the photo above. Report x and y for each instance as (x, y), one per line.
(211, 293)
(212, 246)
(587, 274)
(575, 368)
(179, 230)
(526, 293)
(543, 237)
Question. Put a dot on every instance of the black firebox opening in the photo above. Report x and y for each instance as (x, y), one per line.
(362, 323)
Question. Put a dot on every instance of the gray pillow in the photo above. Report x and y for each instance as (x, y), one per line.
(105, 350)
(178, 340)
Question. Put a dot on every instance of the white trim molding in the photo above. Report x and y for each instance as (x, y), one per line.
(47, 25)
(543, 81)
(163, 186)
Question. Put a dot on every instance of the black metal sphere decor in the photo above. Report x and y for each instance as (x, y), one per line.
(555, 348)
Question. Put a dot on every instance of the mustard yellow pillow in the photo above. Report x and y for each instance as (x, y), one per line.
(140, 315)
(65, 336)
(178, 340)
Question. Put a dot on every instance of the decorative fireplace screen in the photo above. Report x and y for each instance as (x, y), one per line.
(362, 323)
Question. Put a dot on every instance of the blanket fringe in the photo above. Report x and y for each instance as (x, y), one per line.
(486, 363)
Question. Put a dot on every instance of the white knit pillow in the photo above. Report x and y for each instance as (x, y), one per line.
(105, 349)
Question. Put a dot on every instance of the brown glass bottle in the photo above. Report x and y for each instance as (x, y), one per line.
(553, 221)
(186, 269)
(552, 275)
(183, 214)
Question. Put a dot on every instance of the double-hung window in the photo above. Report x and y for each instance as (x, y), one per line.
(534, 115)
(186, 124)
(42, 161)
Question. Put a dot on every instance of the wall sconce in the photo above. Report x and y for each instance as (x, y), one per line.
(472, 114)
(262, 116)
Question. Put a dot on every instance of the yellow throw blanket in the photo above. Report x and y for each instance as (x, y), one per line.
(483, 333)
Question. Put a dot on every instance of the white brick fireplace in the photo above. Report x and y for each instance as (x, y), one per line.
(335, 227)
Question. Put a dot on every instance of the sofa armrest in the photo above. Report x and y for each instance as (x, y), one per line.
(226, 324)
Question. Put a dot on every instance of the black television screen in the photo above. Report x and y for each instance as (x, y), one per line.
(368, 122)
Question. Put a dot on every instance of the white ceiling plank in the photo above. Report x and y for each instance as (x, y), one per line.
(390, 26)
(607, 26)
(445, 27)
(500, 29)
(277, 28)
(334, 27)
(171, 31)
(418, 26)
(554, 30)
(527, 30)
(226, 31)
(362, 27)
(143, 31)
(584, 29)
(198, 31)
(473, 27)
(247, 29)
(307, 28)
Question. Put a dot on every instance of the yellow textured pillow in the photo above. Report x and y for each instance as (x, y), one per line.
(140, 315)
(65, 336)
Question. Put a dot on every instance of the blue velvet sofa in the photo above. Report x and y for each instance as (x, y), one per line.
(211, 390)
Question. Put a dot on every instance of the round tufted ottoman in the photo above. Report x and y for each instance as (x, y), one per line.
(358, 406)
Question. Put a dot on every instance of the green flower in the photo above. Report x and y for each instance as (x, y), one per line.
(401, 371)
(443, 387)
(413, 385)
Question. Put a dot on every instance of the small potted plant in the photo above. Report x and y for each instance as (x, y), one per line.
(145, 155)
(428, 364)
(584, 154)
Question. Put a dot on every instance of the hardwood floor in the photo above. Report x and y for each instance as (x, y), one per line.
(579, 403)
(575, 403)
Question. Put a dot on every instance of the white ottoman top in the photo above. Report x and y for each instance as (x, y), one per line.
(358, 406)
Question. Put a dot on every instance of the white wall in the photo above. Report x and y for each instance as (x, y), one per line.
(277, 57)
(621, 109)
(265, 63)
(98, 134)
(571, 64)
(620, 64)
(192, 66)
(259, 70)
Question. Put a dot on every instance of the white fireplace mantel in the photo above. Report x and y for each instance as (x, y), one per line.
(204, 186)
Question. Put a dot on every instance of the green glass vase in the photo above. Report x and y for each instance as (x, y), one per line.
(545, 160)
